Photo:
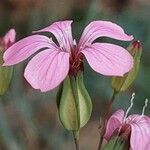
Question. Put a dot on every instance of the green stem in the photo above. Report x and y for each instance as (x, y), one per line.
(100, 142)
(76, 139)
(115, 93)
(105, 118)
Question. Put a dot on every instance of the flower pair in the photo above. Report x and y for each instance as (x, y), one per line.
(47, 69)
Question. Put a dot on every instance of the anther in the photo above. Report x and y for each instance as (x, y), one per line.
(146, 103)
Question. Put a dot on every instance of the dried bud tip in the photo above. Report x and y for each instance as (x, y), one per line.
(137, 44)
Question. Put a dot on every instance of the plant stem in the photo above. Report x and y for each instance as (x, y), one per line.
(105, 118)
(76, 144)
(111, 103)
(76, 139)
(100, 142)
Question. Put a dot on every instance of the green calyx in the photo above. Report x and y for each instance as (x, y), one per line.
(74, 103)
(5, 76)
(122, 83)
(117, 143)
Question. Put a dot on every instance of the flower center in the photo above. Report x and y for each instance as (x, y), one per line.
(125, 131)
(76, 62)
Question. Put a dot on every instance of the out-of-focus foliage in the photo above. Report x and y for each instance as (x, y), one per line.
(28, 118)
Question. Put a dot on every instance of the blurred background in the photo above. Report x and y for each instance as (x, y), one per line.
(28, 118)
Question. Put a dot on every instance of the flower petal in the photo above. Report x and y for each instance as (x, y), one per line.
(10, 37)
(102, 28)
(108, 59)
(113, 123)
(25, 48)
(47, 69)
(62, 32)
(140, 132)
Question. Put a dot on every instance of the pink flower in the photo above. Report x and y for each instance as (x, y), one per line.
(137, 127)
(49, 67)
(8, 39)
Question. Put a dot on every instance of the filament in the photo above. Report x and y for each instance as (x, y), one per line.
(74, 42)
(131, 104)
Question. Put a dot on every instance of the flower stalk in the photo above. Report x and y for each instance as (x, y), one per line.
(76, 140)
(105, 118)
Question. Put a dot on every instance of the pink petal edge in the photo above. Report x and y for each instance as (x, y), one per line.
(63, 33)
(47, 69)
(108, 59)
(102, 29)
(113, 123)
(140, 132)
(24, 48)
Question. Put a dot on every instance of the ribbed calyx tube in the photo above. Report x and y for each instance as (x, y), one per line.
(74, 103)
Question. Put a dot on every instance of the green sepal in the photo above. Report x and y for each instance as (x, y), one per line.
(59, 94)
(5, 76)
(122, 83)
(117, 143)
(74, 103)
(85, 103)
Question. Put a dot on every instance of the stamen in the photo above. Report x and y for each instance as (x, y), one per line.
(146, 103)
(131, 104)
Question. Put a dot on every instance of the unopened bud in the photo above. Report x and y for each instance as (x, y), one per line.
(122, 83)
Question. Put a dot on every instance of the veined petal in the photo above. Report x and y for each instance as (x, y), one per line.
(113, 123)
(25, 48)
(108, 59)
(62, 32)
(10, 37)
(140, 132)
(47, 69)
(102, 29)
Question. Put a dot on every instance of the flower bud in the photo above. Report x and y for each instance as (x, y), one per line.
(122, 83)
(74, 103)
